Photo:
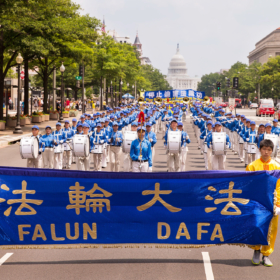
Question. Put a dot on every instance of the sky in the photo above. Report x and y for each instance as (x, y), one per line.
(213, 35)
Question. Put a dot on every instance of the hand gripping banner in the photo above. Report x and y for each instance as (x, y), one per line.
(49, 208)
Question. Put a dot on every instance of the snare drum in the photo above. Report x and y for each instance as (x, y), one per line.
(98, 149)
(29, 147)
(68, 146)
(251, 148)
(81, 145)
(59, 149)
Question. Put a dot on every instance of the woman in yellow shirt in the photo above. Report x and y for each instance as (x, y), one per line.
(265, 162)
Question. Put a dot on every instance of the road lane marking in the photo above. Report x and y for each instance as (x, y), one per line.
(207, 266)
(5, 257)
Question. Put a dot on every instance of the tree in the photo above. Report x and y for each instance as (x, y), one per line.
(208, 83)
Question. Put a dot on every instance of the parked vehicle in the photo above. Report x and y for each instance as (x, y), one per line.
(238, 103)
(223, 104)
(253, 106)
(265, 109)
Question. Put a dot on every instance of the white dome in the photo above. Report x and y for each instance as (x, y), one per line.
(177, 65)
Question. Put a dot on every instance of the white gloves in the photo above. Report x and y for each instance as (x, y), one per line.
(61, 141)
(101, 141)
(151, 140)
(91, 151)
(150, 169)
(41, 150)
(247, 139)
(227, 146)
(140, 158)
(277, 211)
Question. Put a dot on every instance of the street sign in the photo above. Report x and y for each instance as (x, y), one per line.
(22, 75)
(231, 107)
(78, 78)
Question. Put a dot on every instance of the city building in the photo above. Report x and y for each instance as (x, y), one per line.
(144, 60)
(177, 76)
(267, 47)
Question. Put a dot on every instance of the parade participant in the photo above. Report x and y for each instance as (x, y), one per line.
(265, 162)
(82, 119)
(67, 154)
(48, 155)
(243, 133)
(218, 161)
(184, 148)
(152, 138)
(275, 128)
(104, 154)
(83, 163)
(108, 130)
(259, 138)
(127, 162)
(79, 129)
(203, 136)
(37, 162)
(141, 152)
(115, 141)
(173, 159)
(58, 152)
(98, 139)
(74, 125)
(250, 137)
(235, 125)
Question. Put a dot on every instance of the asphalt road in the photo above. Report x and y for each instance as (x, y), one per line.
(142, 262)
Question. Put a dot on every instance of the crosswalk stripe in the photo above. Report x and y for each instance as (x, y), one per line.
(207, 266)
(5, 257)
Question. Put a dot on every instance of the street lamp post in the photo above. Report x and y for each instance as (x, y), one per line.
(7, 85)
(133, 90)
(18, 130)
(121, 83)
(62, 69)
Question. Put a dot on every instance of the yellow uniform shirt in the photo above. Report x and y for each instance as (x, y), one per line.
(260, 165)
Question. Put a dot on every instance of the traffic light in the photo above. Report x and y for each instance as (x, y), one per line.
(81, 70)
(228, 82)
(218, 84)
(235, 82)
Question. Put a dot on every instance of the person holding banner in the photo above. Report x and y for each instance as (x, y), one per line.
(141, 152)
(265, 162)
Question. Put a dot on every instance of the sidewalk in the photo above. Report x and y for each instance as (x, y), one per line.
(7, 135)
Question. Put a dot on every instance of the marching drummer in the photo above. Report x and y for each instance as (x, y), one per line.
(152, 138)
(203, 136)
(99, 138)
(250, 137)
(115, 141)
(67, 154)
(218, 161)
(83, 163)
(79, 128)
(37, 162)
(173, 159)
(141, 152)
(58, 150)
(48, 155)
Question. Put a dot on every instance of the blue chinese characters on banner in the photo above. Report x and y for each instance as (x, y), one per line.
(174, 94)
(49, 207)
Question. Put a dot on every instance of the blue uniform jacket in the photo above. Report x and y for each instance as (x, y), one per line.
(146, 151)
(151, 135)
